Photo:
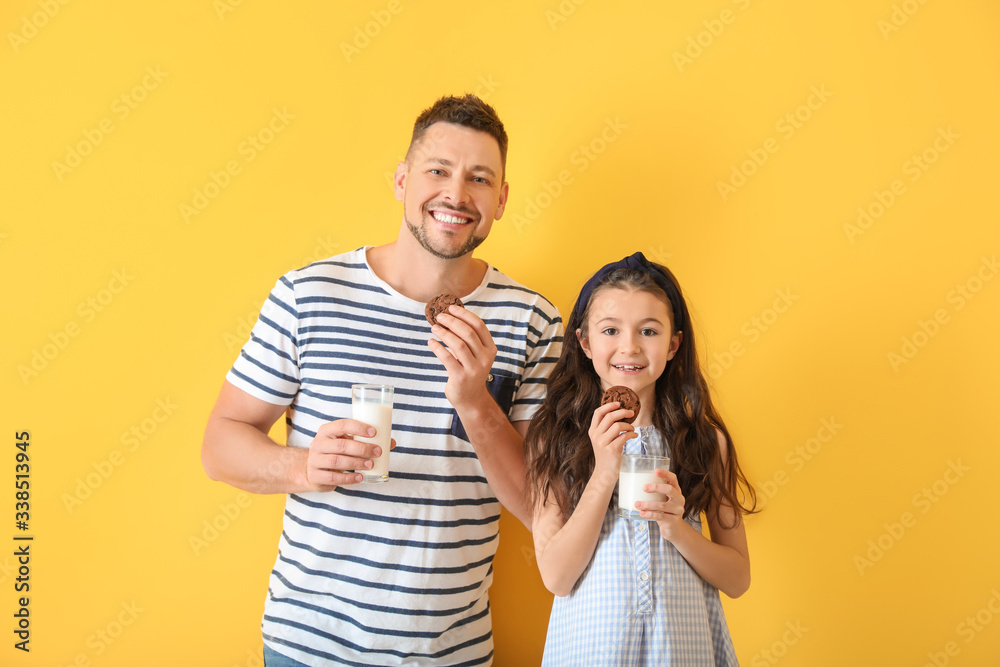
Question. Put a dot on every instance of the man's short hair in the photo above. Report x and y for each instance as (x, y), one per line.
(468, 111)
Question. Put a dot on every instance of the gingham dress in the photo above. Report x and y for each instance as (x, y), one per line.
(638, 603)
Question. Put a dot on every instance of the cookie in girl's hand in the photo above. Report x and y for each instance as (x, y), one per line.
(629, 400)
(440, 304)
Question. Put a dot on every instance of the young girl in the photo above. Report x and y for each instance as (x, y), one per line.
(635, 592)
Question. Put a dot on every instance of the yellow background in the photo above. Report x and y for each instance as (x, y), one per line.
(853, 562)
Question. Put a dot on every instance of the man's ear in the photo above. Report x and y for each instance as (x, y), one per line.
(399, 181)
(504, 192)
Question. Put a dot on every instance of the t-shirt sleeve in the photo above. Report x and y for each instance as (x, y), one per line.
(547, 329)
(268, 365)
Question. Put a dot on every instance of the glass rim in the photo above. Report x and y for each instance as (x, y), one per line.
(639, 457)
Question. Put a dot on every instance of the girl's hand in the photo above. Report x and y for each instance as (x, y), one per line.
(608, 435)
(668, 514)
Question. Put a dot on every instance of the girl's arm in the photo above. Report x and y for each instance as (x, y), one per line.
(724, 560)
(563, 548)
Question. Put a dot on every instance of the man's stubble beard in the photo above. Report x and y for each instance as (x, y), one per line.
(423, 238)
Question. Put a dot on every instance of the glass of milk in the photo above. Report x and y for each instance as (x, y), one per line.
(637, 470)
(372, 404)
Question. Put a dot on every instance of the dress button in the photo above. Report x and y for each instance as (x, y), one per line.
(644, 576)
(642, 527)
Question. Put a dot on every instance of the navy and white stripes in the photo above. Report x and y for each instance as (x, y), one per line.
(394, 573)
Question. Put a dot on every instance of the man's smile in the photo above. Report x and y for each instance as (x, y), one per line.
(450, 218)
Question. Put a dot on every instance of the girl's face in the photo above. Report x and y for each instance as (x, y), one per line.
(630, 338)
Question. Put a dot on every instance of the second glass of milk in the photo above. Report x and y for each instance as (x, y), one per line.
(637, 470)
(372, 404)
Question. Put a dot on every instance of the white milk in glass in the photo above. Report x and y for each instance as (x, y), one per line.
(637, 471)
(372, 404)
(630, 489)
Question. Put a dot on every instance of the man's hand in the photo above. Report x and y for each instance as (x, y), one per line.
(334, 454)
(467, 351)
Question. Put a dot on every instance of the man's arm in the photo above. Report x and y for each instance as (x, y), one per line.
(467, 353)
(499, 444)
(238, 451)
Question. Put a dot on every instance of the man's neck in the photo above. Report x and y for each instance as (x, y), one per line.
(415, 273)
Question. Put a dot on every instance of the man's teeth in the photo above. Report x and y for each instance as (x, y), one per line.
(444, 217)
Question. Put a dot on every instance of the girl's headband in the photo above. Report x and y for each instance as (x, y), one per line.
(636, 262)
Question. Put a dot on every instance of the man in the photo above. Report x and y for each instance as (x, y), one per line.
(394, 573)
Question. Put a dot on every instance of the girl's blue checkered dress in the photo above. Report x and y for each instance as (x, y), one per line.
(638, 603)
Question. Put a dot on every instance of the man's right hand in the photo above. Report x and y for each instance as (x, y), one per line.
(334, 454)
(238, 451)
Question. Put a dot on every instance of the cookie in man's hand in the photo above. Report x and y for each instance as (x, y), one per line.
(440, 304)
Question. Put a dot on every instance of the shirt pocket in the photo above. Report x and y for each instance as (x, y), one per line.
(501, 388)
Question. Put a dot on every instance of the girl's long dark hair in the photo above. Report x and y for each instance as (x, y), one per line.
(558, 448)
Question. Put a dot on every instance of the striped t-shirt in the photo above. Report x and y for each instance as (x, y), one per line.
(393, 573)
